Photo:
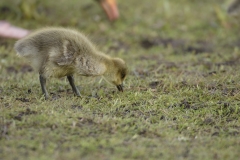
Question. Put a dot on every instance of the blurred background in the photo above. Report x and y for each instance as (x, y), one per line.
(190, 19)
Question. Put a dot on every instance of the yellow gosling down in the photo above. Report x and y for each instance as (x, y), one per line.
(59, 52)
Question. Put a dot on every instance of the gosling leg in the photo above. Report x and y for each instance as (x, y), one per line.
(43, 86)
(74, 88)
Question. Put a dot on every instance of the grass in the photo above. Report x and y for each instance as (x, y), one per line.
(181, 98)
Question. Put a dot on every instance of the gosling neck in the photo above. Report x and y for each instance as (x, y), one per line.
(93, 64)
(108, 63)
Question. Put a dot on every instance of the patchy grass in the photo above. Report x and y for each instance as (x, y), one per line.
(181, 98)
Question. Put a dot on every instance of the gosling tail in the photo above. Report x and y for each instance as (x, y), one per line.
(24, 48)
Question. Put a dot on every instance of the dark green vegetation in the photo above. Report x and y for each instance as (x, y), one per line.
(181, 98)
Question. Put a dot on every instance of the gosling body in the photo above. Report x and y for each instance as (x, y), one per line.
(59, 52)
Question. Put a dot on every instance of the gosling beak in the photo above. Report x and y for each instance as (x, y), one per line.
(110, 7)
(120, 87)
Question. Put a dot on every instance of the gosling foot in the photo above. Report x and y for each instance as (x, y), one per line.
(43, 86)
(74, 88)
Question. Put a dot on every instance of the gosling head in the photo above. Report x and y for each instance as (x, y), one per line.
(116, 73)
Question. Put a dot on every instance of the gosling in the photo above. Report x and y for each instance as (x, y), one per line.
(59, 52)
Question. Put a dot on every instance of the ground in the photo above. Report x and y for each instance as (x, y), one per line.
(182, 93)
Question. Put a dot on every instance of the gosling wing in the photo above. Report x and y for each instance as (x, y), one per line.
(67, 56)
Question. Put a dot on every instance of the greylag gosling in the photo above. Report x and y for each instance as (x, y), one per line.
(59, 52)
